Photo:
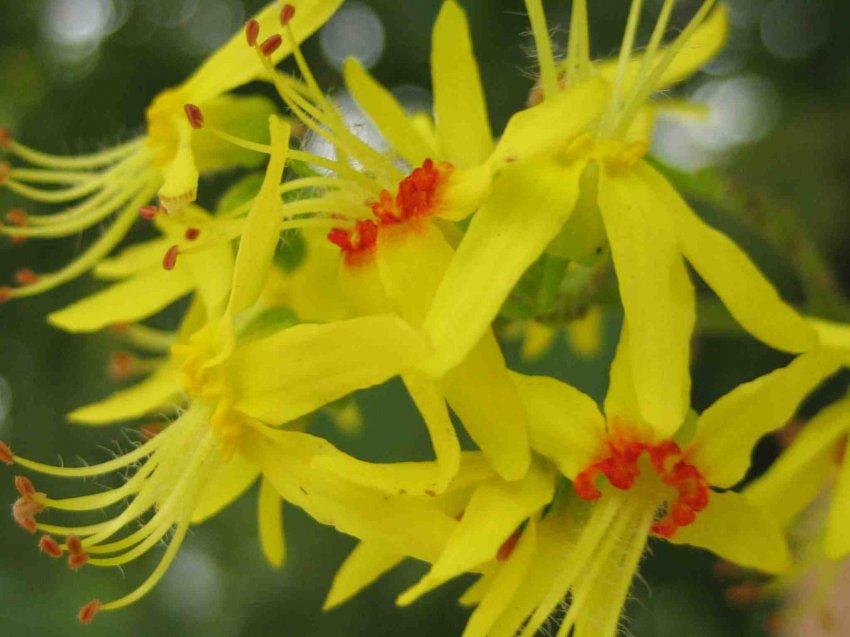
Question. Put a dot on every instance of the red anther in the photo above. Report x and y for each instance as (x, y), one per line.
(271, 44)
(50, 547)
(5, 167)
(357, 242)
(5, 137)
(119, 328)
(151, 429)
(194, 115)
(665, 527)
(585, 484)
(28, 524)
(192, 233)
(121, 365)
(24, 486)
(75, 546)
(5, 294)
(418, 194)
(508, 546)
(6, 455)
(76, 561)
(25, 276)
(148, 212)
(744, 594)
(286, 14)
(252, 31)
(87, 612)
(170, 258)
(17, 217)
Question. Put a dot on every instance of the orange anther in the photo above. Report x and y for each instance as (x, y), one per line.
(5, 137)
(76, 561)
(271, 44)
(507, 548)
(50, 547)
(25, 276)
(119, 328)
(17, 217)
(170, 258)
(286, 14)
(6, 455)
(194, 115)
(5, 167)
(151, 429)
(121, 365)
(5, 295)
(148, 212)
(192, 233)
(24, 486)
(74, 544)
(252, 31)
(87, 612)
(28, 524)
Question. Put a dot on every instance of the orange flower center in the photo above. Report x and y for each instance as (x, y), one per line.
(621, 469)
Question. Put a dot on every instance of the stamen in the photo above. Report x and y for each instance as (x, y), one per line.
(25, 276)
(192, 233)
(543, 44)
(24, 487)
(271, 44)
(6, 455)
(286, 14)
(252, 32)
(87, 612)
(170, 258)
(50, 547)
(194, 115)
(148, 212)
(17, 217)
(506, 550)
(5, 138)
(5, 294)
(121, 365)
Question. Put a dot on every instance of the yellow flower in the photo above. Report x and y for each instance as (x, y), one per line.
(601, 179)
(631, 481)
(238, 390)
(166, 160)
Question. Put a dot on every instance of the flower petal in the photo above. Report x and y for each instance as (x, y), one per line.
(729, 429)
(229, 480)
(798, 475)
(833, 335)
(748, 295)
(563, 423)
(494, 512)
(736, 530)
(504, 585)
(657, 295)
(482, 395)
(365, 564)
(620, 399)
(270, 524)
(235, 63)
(460, 109)
(128, 301)
(306, 366)
(388, 115)
(157, 391)
(529, 204)
(837, 540)
(262, 226)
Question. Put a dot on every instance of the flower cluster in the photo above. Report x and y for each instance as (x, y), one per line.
(407, 263)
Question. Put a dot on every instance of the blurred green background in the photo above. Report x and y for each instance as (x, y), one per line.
(76, 75)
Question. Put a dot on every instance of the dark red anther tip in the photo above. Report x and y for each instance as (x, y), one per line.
(87, 612)
(508, 546)
(286, 14)
(5, 294)
(76, 561)
(121, 365)
(5, 137)
(5, 167)
(74, 544)
(6, 455)
(151, 430)
(194, 115)
(170, 258)
(17, 217)
(252, 31)
(24, 486)
(271, 44)
(192, 233)
(148, 212)
(25, 276)
(50, 547)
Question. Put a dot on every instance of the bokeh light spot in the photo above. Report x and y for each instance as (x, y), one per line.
(355, 31)
(794, 29)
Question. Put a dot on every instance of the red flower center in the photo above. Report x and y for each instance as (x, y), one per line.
(621, 468)
(418, 197)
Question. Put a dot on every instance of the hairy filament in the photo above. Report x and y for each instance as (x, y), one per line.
(543, 44)
(80, 162)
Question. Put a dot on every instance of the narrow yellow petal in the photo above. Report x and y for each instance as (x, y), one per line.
(736, 530)
(262, 227)
(563, 423)
(529, 204)
(270, 523)
(657, 295)
(128, 301)
(212, 271)
(229, 479)
(729, 429)
(460, 108)
(833, 335)
(482, 395)
(158, 391)
(365, 564)
(748, 295)
(703, 45)
(494, 512)
(301, 368)
(837, 540)
(620, 399)
(235, 63)
(802, 470)
(388, 115)
(509, 578)
(473, 595)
